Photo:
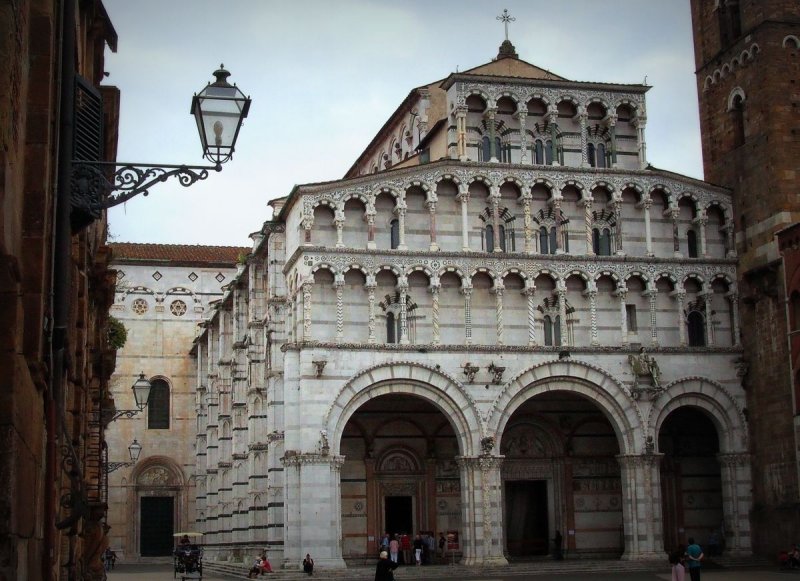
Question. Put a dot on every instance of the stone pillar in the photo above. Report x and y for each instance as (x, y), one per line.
(583, 118)
(591, 292)
(308, 286)
(622, 293)
(587, 222)
(618, 213)
(481, 510)
(435, 288)
(707, 294)
(646, 204)
(490, 122)
(371, 285)
(371, 227)
(432, 209)
(701, 222)
(313, 510)
(339, 286)
(467, 291)
(498, 293)
(521, 117)
(530, 292)
(735, 473)
(308, 224)
(552, 119)
(557, 216)
(733, 297)
(680, 296)
(731, 244)
(527, 223)
(674, 214)
(461, 131)
(561, 290)
(641, 506)
(612, 127)
(338, 220)
(639, 122)
(652, 294)
(400, 211)
(402, 287)
(463, 197)
(494, 199)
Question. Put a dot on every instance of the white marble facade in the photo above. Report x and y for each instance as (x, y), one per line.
(483, 335)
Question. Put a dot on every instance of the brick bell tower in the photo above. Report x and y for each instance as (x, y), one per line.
(747, 55)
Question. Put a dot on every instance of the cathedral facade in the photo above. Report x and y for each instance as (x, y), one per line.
(501, 323)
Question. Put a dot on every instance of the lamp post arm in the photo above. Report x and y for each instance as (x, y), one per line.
(112, 466)
(96, 188)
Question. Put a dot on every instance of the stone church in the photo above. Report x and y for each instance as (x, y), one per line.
(501, 323)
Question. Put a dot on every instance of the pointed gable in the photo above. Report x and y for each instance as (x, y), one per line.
(513, 67)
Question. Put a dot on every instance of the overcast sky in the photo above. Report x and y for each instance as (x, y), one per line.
(325, 75)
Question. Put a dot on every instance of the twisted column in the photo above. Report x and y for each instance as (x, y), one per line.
(498, 292)
(522, 116)
(527, 223)
(591, 292)
(371, 284)
(339, 286)
(435, 288)
(583, 118)
(467, 291)
(402, 286)
(529, 293)
(587, 222)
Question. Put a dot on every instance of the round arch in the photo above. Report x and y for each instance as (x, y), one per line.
(410, 378)
(575, 377)
(710, 397)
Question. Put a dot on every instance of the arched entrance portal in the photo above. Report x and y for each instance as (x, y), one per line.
(560, 473)
(690, 478)
(400, 473)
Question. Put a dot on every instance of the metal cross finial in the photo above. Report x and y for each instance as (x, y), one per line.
(505, 18)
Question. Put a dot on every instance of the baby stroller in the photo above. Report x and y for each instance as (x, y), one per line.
(188, 557)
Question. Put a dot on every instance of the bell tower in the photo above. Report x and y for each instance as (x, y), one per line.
(747, 56)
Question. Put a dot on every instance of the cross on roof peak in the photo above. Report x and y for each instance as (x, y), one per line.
(505, 18)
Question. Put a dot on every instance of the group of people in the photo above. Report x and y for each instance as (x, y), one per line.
(109, 558)
(262, 566)
(399, 547)
(686, 557)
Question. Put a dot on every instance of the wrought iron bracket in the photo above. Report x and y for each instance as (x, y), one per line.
(112, 466)
(99, 185)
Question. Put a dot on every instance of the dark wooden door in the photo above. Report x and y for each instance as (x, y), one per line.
(157, 518)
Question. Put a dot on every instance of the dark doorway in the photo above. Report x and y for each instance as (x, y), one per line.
(156, 526)
(399, 518)
(526, 518)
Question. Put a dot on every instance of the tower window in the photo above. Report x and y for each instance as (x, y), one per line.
(158, 406)
(697, 331)
(486, 152)
(538, 152)
(737, 120)
(391, 328)
(691, 238)
(630, 316)
(489, 230)
(394, 226)
(590, 154)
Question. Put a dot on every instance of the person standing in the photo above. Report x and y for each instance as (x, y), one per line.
(676, 560)
(384, 569)
(442, 545)
(418, 550)
(557, 542)
(394, 548)
(694, 555)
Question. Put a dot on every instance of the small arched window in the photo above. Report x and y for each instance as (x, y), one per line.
(158, 406)
(548, 152)
(691, 239)
(590, 155)
(605, 242)
(544, 241)
(502, 238)
(394, 227)
(489, 235)
(596, 241)
(737, 120)
(601, 155)
(498, 149)
(553, 240)
(486, 152)
(557, 330)
(538, 152)
(548, 331)
(391, 330)
(697, 329)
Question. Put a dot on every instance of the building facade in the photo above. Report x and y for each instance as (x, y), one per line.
(501, 323)
(163, 293)
(55, 289)
(748, 62)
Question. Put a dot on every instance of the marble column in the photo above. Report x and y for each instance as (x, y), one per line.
(639, 122)
(498, 294)
(556, 202)
(481, 510)
(308, 287)
(435, 288)
(618, 213)
(371, 285)
(400, 211)
(707, 295)
(731, 244)
(402, 287)
(591, 292)
(494, 200)
(308, 224)
(561, 291)
(338, 220)
(622, 294)
(490, 122)
(521, 117)
(701, 222)
(371, 227)
(588, 219)
(463, 197)
(680, 296)
(737, 494)
(652, 294)
(552, 120)
(461, 133)
(338, 284)
(641, 506)
(467, 292)
(674, 214)
(646, 204)
(530, 292)
(733, 297)
(583, 118)
(434, 247)
(612, 128)
(527, 223)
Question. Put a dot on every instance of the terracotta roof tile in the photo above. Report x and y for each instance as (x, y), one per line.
(176, 253)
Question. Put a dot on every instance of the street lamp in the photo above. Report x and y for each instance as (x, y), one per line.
(141, 394)
(134, 450)
(219, 110)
